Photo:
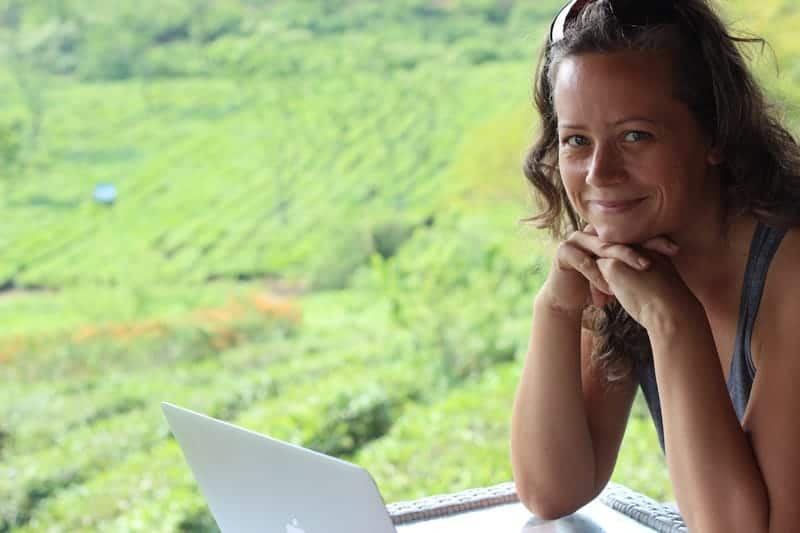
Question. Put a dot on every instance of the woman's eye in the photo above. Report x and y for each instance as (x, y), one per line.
(576, 140)
(634, 136)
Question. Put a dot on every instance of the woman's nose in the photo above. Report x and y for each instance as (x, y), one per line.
(606, 166)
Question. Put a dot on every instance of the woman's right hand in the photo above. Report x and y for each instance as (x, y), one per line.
(575, 282)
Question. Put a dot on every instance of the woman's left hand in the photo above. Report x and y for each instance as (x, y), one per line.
(649, 296)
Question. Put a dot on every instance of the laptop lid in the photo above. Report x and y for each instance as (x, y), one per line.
(252, 482)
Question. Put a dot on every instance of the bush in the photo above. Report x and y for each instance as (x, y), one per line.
(387, 237)
(218, 21)
(54, 46)
(115, 60)
(465, 437)
(10, 146)
(479, 54)
(172, 60)
(5, 437)
(356, 418)
(334, 264)
(199, 522)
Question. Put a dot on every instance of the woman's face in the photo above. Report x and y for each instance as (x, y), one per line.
(633, 159)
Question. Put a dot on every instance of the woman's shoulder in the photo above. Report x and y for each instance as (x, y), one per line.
(784, 268)
(779, 310)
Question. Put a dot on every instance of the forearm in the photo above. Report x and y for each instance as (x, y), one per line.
(552, 453)
(714, 472)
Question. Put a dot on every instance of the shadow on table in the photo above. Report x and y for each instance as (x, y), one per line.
(569, 524)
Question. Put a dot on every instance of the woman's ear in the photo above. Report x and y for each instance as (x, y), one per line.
(714, 157)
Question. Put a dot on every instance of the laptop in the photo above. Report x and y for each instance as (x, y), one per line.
(255, 483)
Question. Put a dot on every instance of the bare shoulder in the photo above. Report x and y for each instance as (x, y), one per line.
(771, 417)
(779, 312)
(783, 281)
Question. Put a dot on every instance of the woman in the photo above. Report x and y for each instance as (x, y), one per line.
(676, 198)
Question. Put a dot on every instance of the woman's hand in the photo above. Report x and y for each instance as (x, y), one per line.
(653, 296)
(575, 281)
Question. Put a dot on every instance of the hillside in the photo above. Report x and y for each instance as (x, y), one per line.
(291, 129)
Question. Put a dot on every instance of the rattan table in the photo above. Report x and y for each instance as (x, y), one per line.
(497, 510)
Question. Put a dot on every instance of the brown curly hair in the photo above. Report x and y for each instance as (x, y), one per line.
(760, 167)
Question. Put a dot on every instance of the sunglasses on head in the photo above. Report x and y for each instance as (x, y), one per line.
(627, 12)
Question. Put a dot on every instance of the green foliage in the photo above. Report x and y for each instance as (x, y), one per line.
(72, 42)
(116, 60)
(70, 308)
(432, 283)
(171, 60)
(641, 465)
(10, 147)
(336, 260)
(357, 418)
(465, 436)
(215, 20)
(302, 400)
(268, 220)
(109, 420)
(53, 46)
(200, 522)
(388, 236)
(91, 351)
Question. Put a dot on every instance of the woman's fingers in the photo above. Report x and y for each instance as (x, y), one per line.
(582, 249)
(576, 258)
(598, 248)
(662, 245)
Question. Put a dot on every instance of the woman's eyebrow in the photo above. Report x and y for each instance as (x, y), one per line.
(571, 126)
(636, 119)
(575, 126)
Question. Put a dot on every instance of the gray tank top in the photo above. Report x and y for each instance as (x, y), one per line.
(742, 372)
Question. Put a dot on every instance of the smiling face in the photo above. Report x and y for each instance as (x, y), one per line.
(633, 159)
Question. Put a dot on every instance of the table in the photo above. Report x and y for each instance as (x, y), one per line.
(497, 510)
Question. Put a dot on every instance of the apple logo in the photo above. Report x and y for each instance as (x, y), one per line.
(294, 527)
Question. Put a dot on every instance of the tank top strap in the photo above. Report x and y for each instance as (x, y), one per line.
(765, 243)
(742, 371)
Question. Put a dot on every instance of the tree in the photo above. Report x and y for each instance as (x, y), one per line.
(14, 48)
(10, 146)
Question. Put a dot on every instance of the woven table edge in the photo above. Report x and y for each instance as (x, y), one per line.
(644, 510)
(450, 504)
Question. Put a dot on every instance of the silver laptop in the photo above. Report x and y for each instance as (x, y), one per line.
(256, 483)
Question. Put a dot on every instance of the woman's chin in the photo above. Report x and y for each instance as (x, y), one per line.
(621, 235)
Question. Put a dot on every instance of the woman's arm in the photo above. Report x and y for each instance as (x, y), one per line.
(725, 479)
(567, 424)
(551, 447)
(714, 473)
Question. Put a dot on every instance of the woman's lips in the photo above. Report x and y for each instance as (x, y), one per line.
(615, 206)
